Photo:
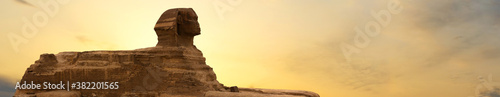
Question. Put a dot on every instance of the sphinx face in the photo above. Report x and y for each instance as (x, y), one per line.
(188, 23)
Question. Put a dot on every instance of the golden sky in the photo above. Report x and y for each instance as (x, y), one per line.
(428, 49)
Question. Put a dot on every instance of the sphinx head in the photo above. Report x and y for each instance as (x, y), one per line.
(177, 27)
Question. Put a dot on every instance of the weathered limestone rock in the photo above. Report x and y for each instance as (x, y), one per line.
(173, 68)
(59, 93)
(253, 92)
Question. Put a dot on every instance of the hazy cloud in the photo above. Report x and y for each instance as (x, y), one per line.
(93, 43)
(24, 2)
(428, 36)
(6, 88)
